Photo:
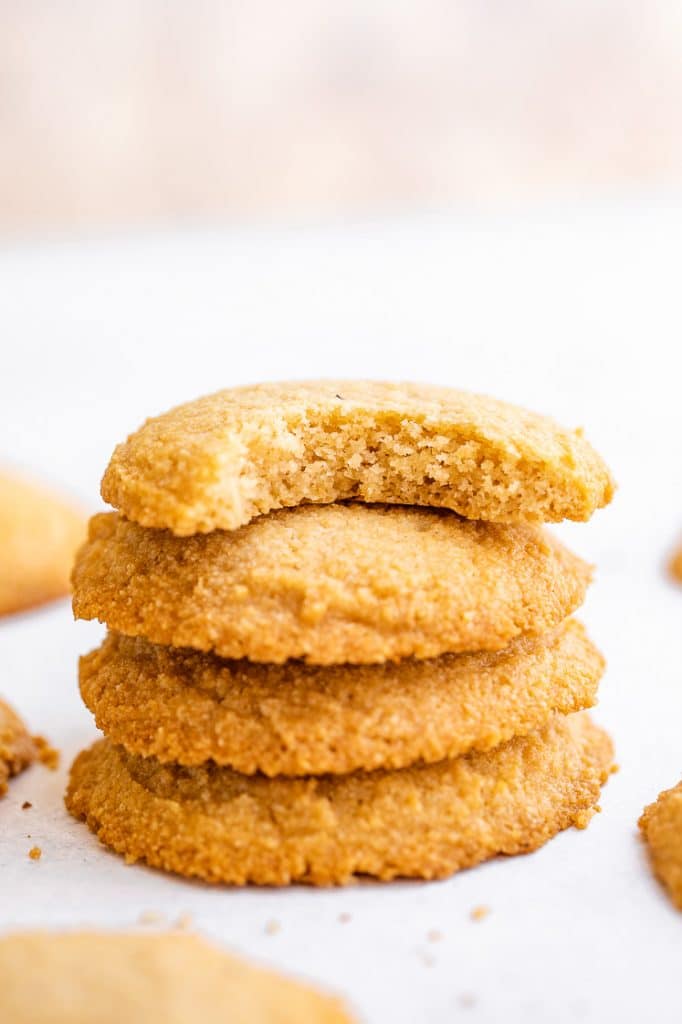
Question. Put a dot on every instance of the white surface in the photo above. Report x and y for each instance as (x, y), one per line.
(574, 313)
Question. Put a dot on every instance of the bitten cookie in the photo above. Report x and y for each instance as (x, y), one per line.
(18, 749)
(661, 825)
(295, 719)
(221, 460)
(39, 534)
(426, 821)
(329, 583)
(112, 978)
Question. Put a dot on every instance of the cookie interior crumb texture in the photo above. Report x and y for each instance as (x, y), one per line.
(661, 825)
(187, 707)
(221, 460)
(426, 821)
(329, 584)
(77, 977)
(39, 534)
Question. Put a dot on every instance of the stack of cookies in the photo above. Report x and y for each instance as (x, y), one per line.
(340, 643)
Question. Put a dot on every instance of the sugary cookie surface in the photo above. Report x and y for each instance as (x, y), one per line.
(221, 460)
(426, 821)
(294, 719)
(329, 584)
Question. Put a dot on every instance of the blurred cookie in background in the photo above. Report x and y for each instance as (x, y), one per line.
(39, 534)
(88, 977)
(18, 749)
(675, 564)
(661, 826)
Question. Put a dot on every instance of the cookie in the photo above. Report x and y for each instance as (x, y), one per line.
(329, 583)
(223, 459)
(110, 977)
(426, 821)
(675, 565)
(295, 719)
(39, 534)
(661, 825)
(18, 749)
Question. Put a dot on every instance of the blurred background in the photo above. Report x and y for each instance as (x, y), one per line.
(133, 113)
(202, 194)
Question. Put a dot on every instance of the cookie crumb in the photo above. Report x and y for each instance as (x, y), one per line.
(184, 921)
(428, 959)
(151, 917)
(467, 1000)
(345, 917)
(479, 913)
(35, 853)
(272, 927)
(26, 805)
(434, 935)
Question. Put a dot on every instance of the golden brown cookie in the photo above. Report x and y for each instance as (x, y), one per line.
(18, 749)
(295, 719)
(675, 565)
(39, 534)
(112, 978)
(661, 825)
(427, 821)
(223, 459)
(329, 584)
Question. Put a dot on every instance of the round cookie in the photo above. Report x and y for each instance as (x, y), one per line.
(675, 565)
(18, 749)
(39, 534)
(221, 460)
(426, 821)
(329, 583)
(187, 707)
(661, 825)
(111, 978)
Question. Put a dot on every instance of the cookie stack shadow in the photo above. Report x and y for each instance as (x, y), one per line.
(339, 642)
